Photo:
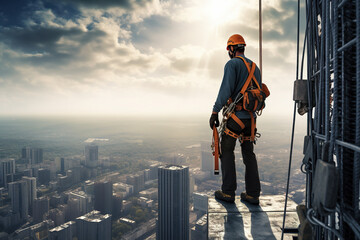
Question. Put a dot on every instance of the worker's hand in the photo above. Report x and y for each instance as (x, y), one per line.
(214, 119)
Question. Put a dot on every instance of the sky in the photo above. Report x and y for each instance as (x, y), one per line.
(137, 57)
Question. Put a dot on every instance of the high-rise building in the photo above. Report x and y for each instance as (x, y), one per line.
(91, 155)
(73, 209)
(84, 203)
(60, 165)
(94, 226)
(32, 155)
(7, 167)
(43, 175)
(200, 230)
(116, 205)
(40, 207)
(154, 170)
(103, 192)
(31, 189)
(18, 193)
(206, 157)
(173, 196)
(23, 152)
(57, 215)
(200, 201)
(63, 232)
(36, 156)
(37, 231)
(26, 153)
(137, 181)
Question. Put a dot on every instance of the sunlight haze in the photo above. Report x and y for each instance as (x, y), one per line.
(137, 57)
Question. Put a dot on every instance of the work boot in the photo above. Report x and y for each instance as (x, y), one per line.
(224, 197)
(247, 198)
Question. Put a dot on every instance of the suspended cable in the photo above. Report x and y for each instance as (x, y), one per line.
(260, 37)
(293, 123)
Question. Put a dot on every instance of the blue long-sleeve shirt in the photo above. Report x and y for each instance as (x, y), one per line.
(235, 75)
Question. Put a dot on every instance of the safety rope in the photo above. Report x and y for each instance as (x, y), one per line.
(260, 38)
(293, 123)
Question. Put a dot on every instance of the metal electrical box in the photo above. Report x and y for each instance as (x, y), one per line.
(325, 185)
(300, 91)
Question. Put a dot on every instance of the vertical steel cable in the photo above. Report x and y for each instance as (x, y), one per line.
(293, 124)
(260, 37)
(326, 19)
(309, 76)
(335, 123)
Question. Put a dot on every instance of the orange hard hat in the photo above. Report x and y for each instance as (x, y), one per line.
(235, 39)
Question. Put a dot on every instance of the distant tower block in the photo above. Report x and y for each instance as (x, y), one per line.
(7, 167)
(206, 157)
(91, 155)
(94, 226)
(31, 189)
(40, 207)
(37, 155)
(173, 185)
(18, 194)
(103, 192)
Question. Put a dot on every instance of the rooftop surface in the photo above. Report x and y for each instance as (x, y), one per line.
(246, 221)
(173, 167)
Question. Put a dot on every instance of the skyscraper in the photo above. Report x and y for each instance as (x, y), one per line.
(91, 155)
(94, 226)
(7, 167)
(137, 181)
(103, 192)
(206, 157)
(31, 190)
(18, 193)
(43, 175)
(82, 200)
(63, 232)
(173, 185)
(26, 153)
(40, 207)
(60, 165)
(36, 156)
(32, 155)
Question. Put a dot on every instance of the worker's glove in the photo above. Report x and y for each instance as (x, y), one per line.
(214, 119)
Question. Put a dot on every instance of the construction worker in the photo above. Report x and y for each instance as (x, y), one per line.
(235, 75)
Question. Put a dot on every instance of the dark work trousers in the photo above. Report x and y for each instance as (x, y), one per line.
(252, 182)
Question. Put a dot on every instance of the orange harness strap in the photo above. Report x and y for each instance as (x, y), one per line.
(242, 125)
(231, 133)
(237, 120)
(251, 74)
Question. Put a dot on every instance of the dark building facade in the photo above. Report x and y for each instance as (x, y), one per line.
(91, 155)
(103, 192)
(173, 194)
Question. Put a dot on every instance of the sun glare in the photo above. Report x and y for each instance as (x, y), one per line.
(220, 12)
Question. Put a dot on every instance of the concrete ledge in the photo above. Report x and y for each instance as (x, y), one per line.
(246, 221)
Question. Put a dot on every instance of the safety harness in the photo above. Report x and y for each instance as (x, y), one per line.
(250, 98)
(253, 100)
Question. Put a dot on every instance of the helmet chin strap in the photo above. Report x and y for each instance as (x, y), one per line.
(232, 53)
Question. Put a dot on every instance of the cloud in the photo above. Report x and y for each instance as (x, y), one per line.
(113, 51)
(127, 4)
